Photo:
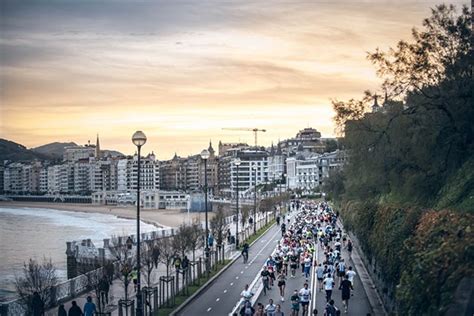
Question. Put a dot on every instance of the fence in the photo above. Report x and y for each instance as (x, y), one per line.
(168, 287)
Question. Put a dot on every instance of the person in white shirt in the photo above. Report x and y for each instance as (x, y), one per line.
(270, 308)
(328, 286)
(246, 293)
(305, 296)
(351, 274)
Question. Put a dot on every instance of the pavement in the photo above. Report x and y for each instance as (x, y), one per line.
(221, 297)
(359, 304)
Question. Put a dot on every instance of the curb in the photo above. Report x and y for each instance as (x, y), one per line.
(377, 307)
(211, 280)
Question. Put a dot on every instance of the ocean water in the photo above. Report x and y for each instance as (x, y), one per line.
(42, 233)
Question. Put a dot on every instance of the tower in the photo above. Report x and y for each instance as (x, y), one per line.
(97, 148)
(375, 106)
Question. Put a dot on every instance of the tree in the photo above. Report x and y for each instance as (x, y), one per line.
(194, 237)
(167, 252)
(150, 255)
(37, 277)
(219, 228)
(244, 216)
(123, 255)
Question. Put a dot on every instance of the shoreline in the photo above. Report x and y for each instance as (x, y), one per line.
(157, 217)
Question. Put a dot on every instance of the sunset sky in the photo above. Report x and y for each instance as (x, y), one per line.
(182, 70)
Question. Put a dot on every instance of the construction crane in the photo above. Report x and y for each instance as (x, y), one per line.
(254, 130)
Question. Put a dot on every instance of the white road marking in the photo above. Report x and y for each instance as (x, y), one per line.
(218, 299)
(232, 284)
(209, 309)
(236, 277)
(241, 272)
(225, 291)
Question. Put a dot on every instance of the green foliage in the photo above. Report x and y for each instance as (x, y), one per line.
(412, 156)
(441, 253)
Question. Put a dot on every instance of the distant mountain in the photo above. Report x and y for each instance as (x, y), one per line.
(53, 150)
(15, 152)
(111, 153)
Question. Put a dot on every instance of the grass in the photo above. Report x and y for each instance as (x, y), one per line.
(192, 289)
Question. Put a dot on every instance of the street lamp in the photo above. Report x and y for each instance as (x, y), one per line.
(138, 139)
(237, 164)
(204, 156)
(255, 201)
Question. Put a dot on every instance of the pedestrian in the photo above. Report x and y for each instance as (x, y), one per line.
(260, 310)
(37, 305)
(349, 247)
(265, 279)
(278, 311)
(320, 276)
(104, 288)
(246, 294)
(345, 287)
(74, 310)
(307, 266)
(281, 285)
(328, 286)
(305, 297)
(134, 277)
(295, 303)
(331, 309)
(351, 274)
(247, 309)
(62, 310)
(270, 308)
(89, 307)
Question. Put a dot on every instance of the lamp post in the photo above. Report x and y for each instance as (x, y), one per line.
(138, 139)
(204, 156)
(255, 200)
(237, 164)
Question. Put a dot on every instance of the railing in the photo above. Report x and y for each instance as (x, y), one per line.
(81, 284)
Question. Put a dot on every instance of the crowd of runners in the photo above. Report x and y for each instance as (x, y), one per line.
(307, 226)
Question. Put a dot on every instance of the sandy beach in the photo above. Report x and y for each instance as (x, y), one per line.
(160, 218)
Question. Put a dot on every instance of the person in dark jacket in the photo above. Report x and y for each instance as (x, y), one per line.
(37, 305)
(75, 310)
(62, 310)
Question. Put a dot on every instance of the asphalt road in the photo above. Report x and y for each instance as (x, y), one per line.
(358, 304)
(221, 297)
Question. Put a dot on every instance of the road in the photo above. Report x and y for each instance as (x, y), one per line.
(358, 304)
(222, 295)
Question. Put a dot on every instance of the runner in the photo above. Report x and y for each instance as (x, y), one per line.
(281, 285)
(320, 276)
(295, 303)
(305, 296)
(265, 279)
(346, 292)
(328, 286)
(270, 308)
(246, 294)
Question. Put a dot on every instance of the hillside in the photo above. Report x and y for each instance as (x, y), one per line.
(54, 150)
(16, 152)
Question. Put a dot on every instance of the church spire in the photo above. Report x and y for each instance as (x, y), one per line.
(97, 148)
(375, 106)
(210, 149)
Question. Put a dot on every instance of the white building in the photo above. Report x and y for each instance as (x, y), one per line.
(127, 175)
(309, 172)
(245, 174)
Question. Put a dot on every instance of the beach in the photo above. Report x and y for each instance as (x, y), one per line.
(157, 217)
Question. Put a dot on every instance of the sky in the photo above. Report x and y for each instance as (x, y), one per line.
(181, 70)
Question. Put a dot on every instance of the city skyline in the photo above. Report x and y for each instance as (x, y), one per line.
(182, 71)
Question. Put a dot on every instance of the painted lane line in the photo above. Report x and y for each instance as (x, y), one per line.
(232, 283)
(209, 309)
(236, 277)
(218, 299)
(225, 291)
(241, 272)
